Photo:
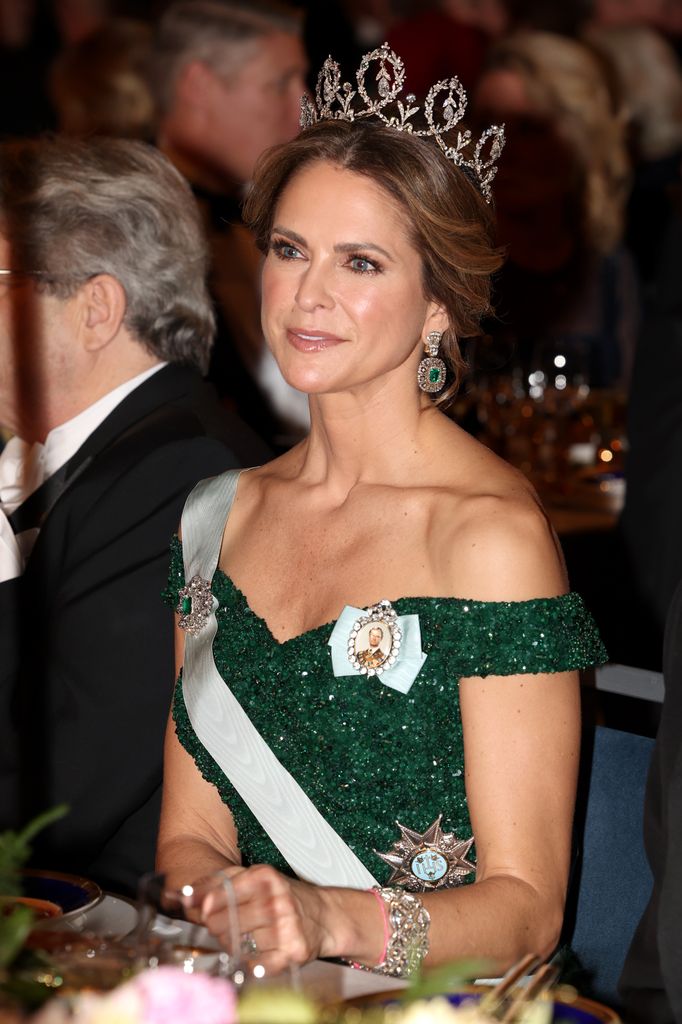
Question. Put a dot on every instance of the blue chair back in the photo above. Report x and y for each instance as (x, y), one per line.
(611, 881)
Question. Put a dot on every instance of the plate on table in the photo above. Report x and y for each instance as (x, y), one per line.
(113, 917)
(574, 1011)
(53, 894)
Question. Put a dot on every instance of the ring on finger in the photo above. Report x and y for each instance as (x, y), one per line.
(249, 944)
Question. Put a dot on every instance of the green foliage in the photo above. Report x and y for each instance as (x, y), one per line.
(13, 932)
(15, 849)
(451, 977)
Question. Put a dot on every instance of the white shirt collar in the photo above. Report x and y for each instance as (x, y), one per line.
(64, 441)
(24, 466)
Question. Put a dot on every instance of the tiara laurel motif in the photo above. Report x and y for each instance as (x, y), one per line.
(336, 101)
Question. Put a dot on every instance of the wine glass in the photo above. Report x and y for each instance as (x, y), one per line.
(558, 386)
(169, 929)
(559, 374)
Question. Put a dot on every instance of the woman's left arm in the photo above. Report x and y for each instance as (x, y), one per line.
(521, 753)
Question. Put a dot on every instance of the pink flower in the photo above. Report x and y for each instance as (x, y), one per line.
(170, 996)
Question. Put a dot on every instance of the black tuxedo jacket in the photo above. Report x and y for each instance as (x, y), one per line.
(653, 501)
(651, 984)
(86, 648)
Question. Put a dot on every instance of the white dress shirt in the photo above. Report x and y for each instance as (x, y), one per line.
(24, 467)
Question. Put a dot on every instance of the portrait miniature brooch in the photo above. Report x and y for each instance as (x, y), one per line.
(375, 641)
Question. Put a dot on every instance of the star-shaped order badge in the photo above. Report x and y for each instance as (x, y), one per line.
(433, 859)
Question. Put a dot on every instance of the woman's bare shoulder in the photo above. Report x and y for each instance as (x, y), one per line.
(256, 479)
(494, 538)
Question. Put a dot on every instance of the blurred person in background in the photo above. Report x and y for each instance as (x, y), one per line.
(631, 12)
(651, 982)
(560, 198)
(77, 19)
(651, 518)
(446, 35)
(32, 34)
(648, 74)
(106, 327)
(567, 19)
(28, 42)
(227, 79)
(98, 85)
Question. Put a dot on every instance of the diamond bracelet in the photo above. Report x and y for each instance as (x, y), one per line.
(408, 924)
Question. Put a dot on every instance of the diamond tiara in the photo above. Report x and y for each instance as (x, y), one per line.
(335, 101)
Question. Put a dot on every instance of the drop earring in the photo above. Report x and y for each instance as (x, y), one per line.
(431, 370)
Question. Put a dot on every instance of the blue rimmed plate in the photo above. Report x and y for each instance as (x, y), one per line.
(575, 1011)
(71, 893)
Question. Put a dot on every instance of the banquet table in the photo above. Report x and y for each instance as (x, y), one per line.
(325, 983)
(116, 917)
(332, 983)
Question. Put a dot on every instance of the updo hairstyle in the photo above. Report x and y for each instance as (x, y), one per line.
(449, 222)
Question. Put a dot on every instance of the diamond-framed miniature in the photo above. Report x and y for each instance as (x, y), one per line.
(375, 639)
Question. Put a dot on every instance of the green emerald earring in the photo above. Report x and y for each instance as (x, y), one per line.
(431, 370)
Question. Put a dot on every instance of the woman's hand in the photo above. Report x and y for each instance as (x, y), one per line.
(284, 917)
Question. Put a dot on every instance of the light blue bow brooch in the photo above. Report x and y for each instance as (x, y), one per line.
(376, 642)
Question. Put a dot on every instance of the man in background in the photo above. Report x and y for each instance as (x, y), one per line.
(227, 79)
(105, 330)
(651, 982)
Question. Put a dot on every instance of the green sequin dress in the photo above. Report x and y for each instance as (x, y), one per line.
(365, 754)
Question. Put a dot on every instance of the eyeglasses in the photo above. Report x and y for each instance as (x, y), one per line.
(11, 278)
(23, 273)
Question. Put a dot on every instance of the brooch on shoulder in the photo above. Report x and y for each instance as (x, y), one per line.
(195, 604)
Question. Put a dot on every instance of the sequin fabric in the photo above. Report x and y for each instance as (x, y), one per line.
(365, 754)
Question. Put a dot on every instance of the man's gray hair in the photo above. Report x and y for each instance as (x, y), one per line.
(222, 35)
(73, 209)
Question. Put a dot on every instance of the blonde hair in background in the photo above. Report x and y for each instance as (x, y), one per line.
(649, 76)
(99, 85)
(566, 81)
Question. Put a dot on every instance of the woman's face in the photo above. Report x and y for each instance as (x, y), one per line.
(342, 284)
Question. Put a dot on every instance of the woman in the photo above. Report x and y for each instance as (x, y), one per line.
(388, 515)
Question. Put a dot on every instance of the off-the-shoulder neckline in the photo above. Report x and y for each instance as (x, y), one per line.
(465, 604)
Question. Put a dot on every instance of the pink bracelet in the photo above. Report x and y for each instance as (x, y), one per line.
(387, 934)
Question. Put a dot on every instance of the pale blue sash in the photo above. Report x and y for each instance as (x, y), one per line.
(305, 839)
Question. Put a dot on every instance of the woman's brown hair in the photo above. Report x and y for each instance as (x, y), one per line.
(449, 223)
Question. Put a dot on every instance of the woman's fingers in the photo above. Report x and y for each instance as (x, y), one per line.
(270, 911)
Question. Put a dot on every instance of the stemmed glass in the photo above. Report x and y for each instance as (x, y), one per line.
(169, 929)
(558, 386)
(559, 375)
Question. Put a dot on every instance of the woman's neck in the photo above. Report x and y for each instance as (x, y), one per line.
(356, 437)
